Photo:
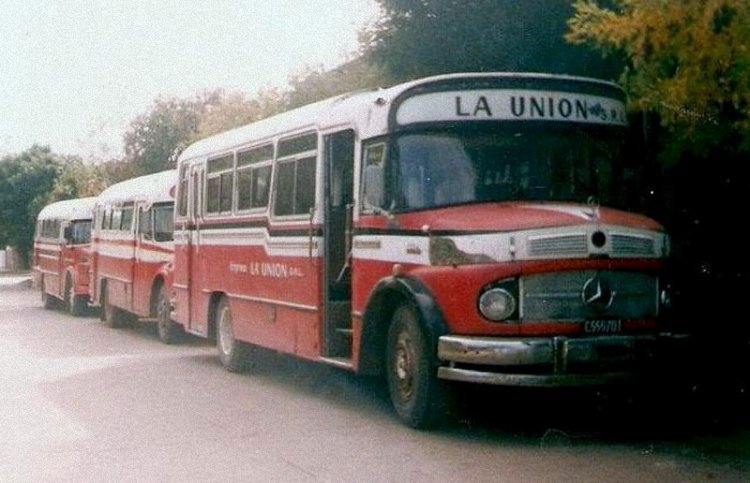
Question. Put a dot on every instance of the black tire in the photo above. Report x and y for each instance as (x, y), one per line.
(168, 331)
(113, 316)
(233, 354)
(75, 305)
(419, 398)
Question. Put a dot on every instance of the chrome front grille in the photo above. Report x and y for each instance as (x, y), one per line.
(560, 296)
(631, 245)
(557, 245)
(594, 242)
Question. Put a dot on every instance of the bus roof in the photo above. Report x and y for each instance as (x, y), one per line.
(152, 188)
(75, 209)
(367, 111)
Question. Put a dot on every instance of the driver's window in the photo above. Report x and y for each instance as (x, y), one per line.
(373, 185)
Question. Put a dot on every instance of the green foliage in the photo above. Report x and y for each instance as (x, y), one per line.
(313, 85)
(688, 61)
(415, 38)
(78, 179)
(26, 180)
(155, 138)
(228, 110)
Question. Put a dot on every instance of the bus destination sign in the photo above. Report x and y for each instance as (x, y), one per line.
(510, 105)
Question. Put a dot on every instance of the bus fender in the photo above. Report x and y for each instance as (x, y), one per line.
(388, 294)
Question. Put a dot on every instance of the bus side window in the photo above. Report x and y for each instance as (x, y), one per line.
(373, 187)
(295, 180)
(253, 175)
(116, 218)
(220, 181)
(107, 223)
(144, 224)
(182, 202)
(126, 223)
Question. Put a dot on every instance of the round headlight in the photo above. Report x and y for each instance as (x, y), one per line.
(497, 304)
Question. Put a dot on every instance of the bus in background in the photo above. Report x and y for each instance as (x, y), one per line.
(462, 228)
(61, 254)
(132, 252)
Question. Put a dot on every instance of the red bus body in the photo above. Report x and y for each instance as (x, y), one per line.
(132, 248)
(332, 232)
(61, 253)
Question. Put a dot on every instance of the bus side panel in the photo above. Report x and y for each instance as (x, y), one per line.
(49, 255)
(80, 270)
(275, 298)
(150, 258)
(115, 265)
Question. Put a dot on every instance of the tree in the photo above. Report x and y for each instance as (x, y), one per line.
(77, 179)
(688, 62)
(25, 183)
(688, 66)
(154, 139)
(228, 110)
(315, 84)
(415, 38)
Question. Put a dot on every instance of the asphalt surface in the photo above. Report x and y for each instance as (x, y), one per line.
(83, 402)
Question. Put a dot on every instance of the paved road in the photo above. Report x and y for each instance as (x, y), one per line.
(82, 402)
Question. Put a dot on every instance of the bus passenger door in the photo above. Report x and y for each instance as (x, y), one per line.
(144, 235)
(338, 189)
(198, 322)
(128, 233)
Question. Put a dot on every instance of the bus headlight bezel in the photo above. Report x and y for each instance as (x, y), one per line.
(497, 304)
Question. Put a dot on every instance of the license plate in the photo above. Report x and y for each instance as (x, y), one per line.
(602, 326)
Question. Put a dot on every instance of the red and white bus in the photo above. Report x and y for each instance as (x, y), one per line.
(465, 227)
(61, 254)
(132, 251)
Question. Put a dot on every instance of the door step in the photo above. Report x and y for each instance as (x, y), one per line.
(340, 362)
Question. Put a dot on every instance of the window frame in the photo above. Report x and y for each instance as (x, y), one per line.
(219, 175)
(295, 156)
(253, 167)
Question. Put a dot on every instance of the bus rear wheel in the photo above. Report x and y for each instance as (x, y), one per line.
(113, 316)
(417, 395)
(167, 330)
(48, 301)
(233, 354)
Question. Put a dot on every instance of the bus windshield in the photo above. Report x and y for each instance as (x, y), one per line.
(80, 232)
(437, 168)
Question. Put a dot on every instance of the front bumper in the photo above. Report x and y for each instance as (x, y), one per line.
(551, 361)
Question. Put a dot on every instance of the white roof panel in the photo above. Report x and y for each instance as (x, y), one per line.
(366, 111)
(75, 209)
(152, 188)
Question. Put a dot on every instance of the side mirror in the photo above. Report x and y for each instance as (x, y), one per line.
(374, 186)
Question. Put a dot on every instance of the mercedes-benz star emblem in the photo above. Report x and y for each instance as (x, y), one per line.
(597, 295)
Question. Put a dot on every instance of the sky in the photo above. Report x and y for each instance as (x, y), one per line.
(74, 73)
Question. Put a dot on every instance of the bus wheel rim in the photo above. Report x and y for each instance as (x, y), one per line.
(403, 366)
(226, 340)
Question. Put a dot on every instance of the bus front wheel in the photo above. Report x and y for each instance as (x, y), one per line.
(418, 397)
(233, 354)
